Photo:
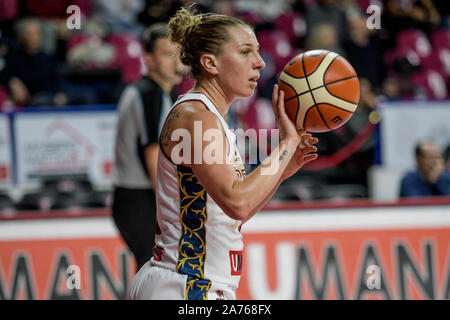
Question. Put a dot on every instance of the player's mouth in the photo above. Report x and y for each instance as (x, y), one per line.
(254, 80)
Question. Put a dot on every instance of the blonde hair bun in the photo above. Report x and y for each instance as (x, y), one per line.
(197, 33)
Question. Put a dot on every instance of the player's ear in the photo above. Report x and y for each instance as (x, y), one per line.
(209, 63)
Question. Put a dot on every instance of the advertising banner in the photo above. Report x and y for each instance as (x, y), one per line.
(404, 124)
(348, 253)
(65, 143)
(367, 252)
(5, 152)
(72, 258)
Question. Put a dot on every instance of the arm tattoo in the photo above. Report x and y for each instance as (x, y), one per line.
(166, 131)
(283, 155)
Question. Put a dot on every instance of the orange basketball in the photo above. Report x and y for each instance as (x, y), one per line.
(321, 90)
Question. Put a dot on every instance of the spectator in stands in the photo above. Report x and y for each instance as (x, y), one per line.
(404, 14)
(327, 11)
(430, 178)
(142, 109)
(447, 158)
(31, 75)
(390, 89)
(324, 36)
(363, 46)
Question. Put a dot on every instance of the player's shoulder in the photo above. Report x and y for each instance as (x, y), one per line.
(196, 110)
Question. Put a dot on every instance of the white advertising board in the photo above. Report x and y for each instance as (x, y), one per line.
(345, 252)
(404, 124)
(53, 143)
(5, 152)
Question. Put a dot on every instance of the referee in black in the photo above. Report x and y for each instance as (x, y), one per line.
(142, 109)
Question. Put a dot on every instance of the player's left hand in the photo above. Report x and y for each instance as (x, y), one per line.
(305, 152)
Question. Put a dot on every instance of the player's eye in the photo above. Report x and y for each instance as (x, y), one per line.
(245, 52)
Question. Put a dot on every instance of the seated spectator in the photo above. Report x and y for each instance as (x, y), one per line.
(363, 46)
(390, 89)
(447, 158)
(327, 11)
(431, 178)
(32, 75)
(324, 36)
(405, 14)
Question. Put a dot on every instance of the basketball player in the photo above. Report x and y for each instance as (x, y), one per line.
(201, 206)
(142, 110)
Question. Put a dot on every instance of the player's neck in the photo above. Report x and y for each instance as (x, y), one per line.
(215, 93)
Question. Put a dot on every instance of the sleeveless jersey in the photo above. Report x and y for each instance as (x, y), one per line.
(196, 238)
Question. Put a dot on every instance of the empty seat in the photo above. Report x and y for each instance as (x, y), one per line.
(277, 45)
(432, 83)
(292, 24)
(440, 39)
(414, 40)
(129, 56)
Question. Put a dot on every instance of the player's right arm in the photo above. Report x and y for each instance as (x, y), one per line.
(239, 199)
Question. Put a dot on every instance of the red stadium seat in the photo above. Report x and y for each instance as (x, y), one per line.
(252, 17)
(441, 39)
(444, 57)
(129, 56)
(276, 44)
(433, 84)
(438, 61)
(292, 24)
(414, 40)
(363, 4)
(9, 9)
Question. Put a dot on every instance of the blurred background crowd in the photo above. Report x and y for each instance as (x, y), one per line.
(405, 55)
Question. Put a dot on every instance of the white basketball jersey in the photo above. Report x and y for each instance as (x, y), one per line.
(196, 237)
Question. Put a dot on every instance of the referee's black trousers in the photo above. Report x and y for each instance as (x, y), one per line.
(134, 213)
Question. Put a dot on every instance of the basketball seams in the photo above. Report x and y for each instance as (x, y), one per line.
(338, 97)
(326, 69)
(321, 116)
(335, 106)
(316, 78)
(324, 85)
(312, 95)
(297, 95)
(350, 105)
(318, 65)
(318, 111)
(336, 81)
(291, 75)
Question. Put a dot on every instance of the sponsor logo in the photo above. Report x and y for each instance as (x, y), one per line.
(236, 263)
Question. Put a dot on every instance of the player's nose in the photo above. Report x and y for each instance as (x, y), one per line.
(259, 63)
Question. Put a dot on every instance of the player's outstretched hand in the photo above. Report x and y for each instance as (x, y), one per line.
(306, 152)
